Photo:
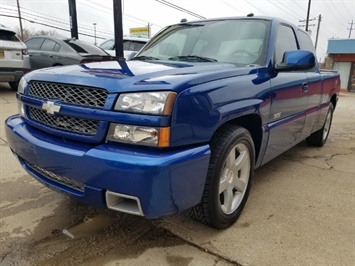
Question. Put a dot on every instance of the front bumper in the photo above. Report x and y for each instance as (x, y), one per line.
(165, 182)
(12, 75)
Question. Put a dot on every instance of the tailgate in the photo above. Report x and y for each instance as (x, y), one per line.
(10, 46)
(10, 53)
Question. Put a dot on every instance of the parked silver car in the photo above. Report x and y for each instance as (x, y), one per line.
(48, 51)
(14, 60)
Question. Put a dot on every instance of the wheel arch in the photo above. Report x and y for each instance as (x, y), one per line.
(334, 100)
(253, 123)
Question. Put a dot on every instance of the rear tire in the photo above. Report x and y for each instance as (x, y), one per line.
(320, 137)
(228, 179)
(13, 85)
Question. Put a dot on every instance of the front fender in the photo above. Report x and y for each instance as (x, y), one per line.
(199, 111)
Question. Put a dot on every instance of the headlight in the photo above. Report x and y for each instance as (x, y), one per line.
(22, 85)
(149, 136)
(155, 103)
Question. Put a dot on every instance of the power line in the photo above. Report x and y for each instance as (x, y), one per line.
(128, 15)
(143, 22)
(292, 14)
(336, 9)
(255, 7)
(180, 9)
(230, 6)
(323, 26)
(51, 26)
(351, 15)
(37, 20)
(53, 19)
(331, 9)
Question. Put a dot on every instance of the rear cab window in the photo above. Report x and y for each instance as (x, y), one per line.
(305, 41)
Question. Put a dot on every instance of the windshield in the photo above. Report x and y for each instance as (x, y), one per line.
(240, 42)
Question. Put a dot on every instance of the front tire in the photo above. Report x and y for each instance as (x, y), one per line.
(320, 137)
(13, 85)
(229, 178)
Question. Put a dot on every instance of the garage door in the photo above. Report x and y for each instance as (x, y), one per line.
(344, 70)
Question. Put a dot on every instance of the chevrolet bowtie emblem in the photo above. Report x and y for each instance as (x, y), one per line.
(50, 107)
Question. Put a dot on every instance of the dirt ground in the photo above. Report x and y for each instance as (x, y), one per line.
(300, 211)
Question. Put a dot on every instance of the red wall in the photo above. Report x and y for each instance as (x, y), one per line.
(344, 57)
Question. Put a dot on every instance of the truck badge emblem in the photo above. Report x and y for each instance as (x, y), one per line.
(50, 107)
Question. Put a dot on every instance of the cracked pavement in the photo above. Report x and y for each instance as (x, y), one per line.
(300, 211)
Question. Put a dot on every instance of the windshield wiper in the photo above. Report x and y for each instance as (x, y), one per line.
(193, 58)
(143, 57)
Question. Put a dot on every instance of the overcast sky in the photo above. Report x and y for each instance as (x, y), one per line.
(336, 15)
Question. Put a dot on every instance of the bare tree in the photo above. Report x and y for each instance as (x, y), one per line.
(29, 33)
(53, 33)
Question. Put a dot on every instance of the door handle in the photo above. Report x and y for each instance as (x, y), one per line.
(305, 87)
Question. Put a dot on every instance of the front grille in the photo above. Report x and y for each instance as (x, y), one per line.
(78, 95)
(63, 122)
(57, 178)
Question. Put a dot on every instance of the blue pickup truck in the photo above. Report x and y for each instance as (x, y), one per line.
(180, 126)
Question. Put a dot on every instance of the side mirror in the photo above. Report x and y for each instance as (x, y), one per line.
(131, 55)
(296, 60)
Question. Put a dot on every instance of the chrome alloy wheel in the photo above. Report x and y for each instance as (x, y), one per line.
(327, 124)
(234, 178)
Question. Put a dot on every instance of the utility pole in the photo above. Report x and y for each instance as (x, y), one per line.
(73, 19)
(351, 28)
(117, 20)
(19, 17)
(318, 27)
(94, 32)
(308, 11)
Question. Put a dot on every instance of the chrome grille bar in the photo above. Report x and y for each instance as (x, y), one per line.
(62, 122)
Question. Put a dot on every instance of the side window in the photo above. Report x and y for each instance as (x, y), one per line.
(57, 47)
(127, 45)
(137, 45)
(34, 43)
(286, 41)
(305, 41)
(48, 45)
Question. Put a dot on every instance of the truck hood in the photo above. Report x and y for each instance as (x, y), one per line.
(123, 76)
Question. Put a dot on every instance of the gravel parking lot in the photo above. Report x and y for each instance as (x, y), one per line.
(301, 211)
